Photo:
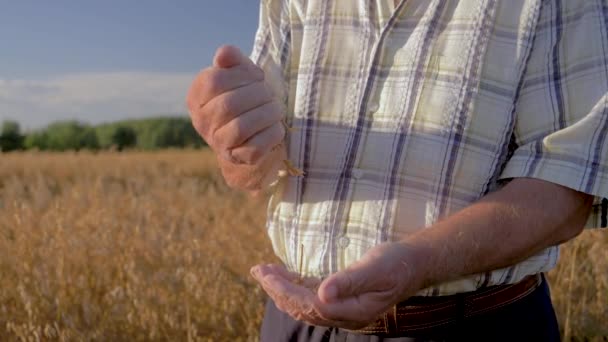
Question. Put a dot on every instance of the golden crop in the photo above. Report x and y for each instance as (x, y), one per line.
(153, 246)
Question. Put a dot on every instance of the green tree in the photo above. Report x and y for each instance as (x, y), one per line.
(70, 135)
(148, 134)
(36, 140)
(167, 132)
(124, 137)
(10, 136)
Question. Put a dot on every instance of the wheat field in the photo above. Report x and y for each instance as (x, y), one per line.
(152, 246)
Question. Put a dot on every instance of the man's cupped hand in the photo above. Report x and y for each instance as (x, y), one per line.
(350, 299)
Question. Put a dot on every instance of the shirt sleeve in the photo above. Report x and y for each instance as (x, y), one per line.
(271, 50)
(561, 125)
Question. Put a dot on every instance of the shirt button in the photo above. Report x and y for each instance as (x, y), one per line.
(358, 173)
(373, 107)
(343, 242)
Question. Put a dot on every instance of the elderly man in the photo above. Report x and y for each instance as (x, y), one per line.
(446, 149)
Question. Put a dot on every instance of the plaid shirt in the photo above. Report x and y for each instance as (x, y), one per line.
(406, 113)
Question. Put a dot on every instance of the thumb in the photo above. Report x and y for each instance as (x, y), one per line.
(229, 56)
(354, 281)
(379, 272)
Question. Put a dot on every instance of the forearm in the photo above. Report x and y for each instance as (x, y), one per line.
(501, 229)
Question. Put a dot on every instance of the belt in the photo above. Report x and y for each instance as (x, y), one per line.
(419, 314)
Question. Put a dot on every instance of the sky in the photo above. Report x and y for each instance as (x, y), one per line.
(104, 60)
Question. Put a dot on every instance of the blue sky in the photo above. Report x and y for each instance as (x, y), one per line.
(100, 61)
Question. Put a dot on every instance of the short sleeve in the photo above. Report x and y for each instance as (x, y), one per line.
(561, 128)
(272, 47)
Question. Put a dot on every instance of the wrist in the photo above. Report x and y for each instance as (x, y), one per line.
(420, 261)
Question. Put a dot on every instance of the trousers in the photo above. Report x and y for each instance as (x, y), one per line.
(531, 318)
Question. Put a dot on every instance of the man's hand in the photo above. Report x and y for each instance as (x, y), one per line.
(351, 299)
(236, 112)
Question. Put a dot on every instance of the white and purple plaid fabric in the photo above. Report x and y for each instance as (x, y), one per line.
(408, 112)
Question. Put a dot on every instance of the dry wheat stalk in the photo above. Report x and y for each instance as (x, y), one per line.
(290, 168)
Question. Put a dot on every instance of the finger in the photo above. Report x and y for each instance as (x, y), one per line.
(282, 271)
(213, 82)
(370, 274)
(261, 271)
(382, 270)
(296, 300)
(311, 283)
(233, 103)
(244, 126)
(355, 311)
(278, 282)
(228, 56)
(260, 145)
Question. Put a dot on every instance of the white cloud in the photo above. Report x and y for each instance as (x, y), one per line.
(94, 97)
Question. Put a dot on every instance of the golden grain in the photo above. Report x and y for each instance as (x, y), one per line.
(153, 246)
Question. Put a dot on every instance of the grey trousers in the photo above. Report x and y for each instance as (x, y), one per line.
(531, 318)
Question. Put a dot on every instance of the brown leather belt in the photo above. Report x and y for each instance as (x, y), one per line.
(418, 314)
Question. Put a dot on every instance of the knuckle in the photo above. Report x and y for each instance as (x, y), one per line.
(257, 72)
(230, 135)
(217, 140)
(249, 74)
(238, 130)
(227, 106)
(213, 81)
(207, 131)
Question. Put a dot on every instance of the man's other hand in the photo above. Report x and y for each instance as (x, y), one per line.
(238, 115)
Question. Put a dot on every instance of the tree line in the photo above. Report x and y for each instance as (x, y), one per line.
(145, 134)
